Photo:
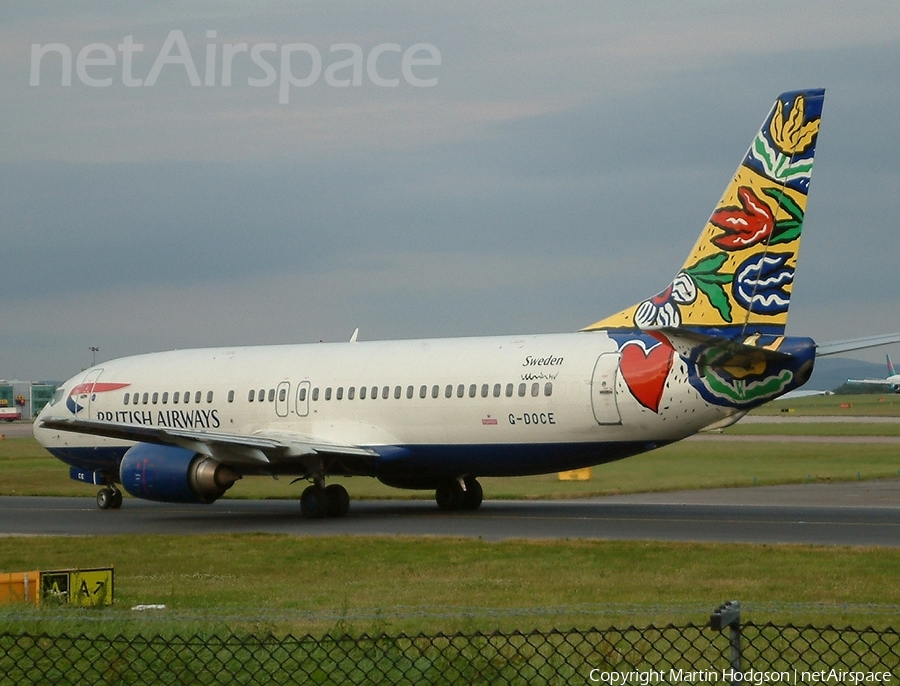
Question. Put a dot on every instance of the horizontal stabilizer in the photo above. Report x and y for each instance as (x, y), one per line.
(705, 350)
(836, 347)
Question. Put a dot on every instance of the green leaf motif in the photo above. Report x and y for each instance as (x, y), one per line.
(708, 265)
(786, 230)
(709, 280)
(785, 202)
(764, 154)
(716, 296)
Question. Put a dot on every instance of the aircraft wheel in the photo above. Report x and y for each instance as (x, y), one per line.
(105, 498)
(314, 502)
(474, 494)
(449, 495)
(338, 500)
(116, 499)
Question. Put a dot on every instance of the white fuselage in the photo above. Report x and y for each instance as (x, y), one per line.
(560, 389)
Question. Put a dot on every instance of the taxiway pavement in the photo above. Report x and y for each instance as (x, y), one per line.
(854, 513)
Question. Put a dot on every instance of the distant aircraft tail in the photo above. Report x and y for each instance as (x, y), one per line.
(738, 279)
(891, 371)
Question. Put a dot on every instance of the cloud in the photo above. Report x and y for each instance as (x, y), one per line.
(559, 171)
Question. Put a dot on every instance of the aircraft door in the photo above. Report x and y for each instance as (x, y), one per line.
(303, 399)
(603, 389)
(282, 398)
(87, 396)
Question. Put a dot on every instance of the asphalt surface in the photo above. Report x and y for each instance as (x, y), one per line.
(15, 429)
(859, 513)
(851, 513)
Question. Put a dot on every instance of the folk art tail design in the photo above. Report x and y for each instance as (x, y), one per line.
(738, 278)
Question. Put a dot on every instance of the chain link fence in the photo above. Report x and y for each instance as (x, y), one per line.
(670, 654)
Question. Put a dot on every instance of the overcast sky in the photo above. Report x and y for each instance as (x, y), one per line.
(558, 169)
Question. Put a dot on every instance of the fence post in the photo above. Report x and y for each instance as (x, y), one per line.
(729, 614)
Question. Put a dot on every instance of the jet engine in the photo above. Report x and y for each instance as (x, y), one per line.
(174, 475)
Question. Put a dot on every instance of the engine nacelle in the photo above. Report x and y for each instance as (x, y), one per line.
(895, 387)
(174, 475)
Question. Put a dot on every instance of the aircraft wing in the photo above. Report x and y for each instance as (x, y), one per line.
(874, 382)
(835, 347)
(259, 450)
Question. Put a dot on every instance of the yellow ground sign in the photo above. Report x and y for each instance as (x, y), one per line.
(576, 475)
(91, 587)
(80, 587)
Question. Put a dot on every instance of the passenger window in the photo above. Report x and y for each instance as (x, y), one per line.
(397, 392)
(460, 391)
(302, 395)
(362, 392)
(409, 392)
(271, 395)
(125, 399)
(262, 394)
(175, 397)
(315, 394)
(535, 389)
(187, 397)
(374, 392)
(385, 392)
(282, 394)
(230, 396)
(548, 389)
(448, 392)
(351, 393)
(340, 393)
(165, 398)
(250, 395)
(521, 390)
(435, 391)
(197, 397)
(328, 393)
(155, 398)
(496, 390)
(145, 398)
(484, 391)
(423, 391)
(509, 390)
(209, 396)
(473, 389)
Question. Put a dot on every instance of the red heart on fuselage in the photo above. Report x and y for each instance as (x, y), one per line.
(645, 373)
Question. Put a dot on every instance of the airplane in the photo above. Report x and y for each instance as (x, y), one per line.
(892, 381)
(185, 425)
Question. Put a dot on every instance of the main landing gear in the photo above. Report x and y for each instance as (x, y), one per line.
(109, 498)
(456, 494)
(318, 501)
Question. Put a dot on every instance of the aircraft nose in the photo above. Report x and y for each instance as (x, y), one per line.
(42, 435)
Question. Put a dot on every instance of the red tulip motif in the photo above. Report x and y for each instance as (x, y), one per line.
(744, 226)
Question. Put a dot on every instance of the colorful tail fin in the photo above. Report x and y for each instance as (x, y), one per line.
(891, 371)
(738, 278)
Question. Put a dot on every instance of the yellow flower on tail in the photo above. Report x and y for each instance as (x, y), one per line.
(789, 132)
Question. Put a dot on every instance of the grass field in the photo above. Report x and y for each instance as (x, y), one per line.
(886, 405)
(26, 469)
(301, 584)
(298, 584)
(814, 429)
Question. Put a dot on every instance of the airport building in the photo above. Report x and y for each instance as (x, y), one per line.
(23, 399)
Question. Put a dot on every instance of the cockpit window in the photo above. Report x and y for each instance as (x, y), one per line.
(57, 396)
